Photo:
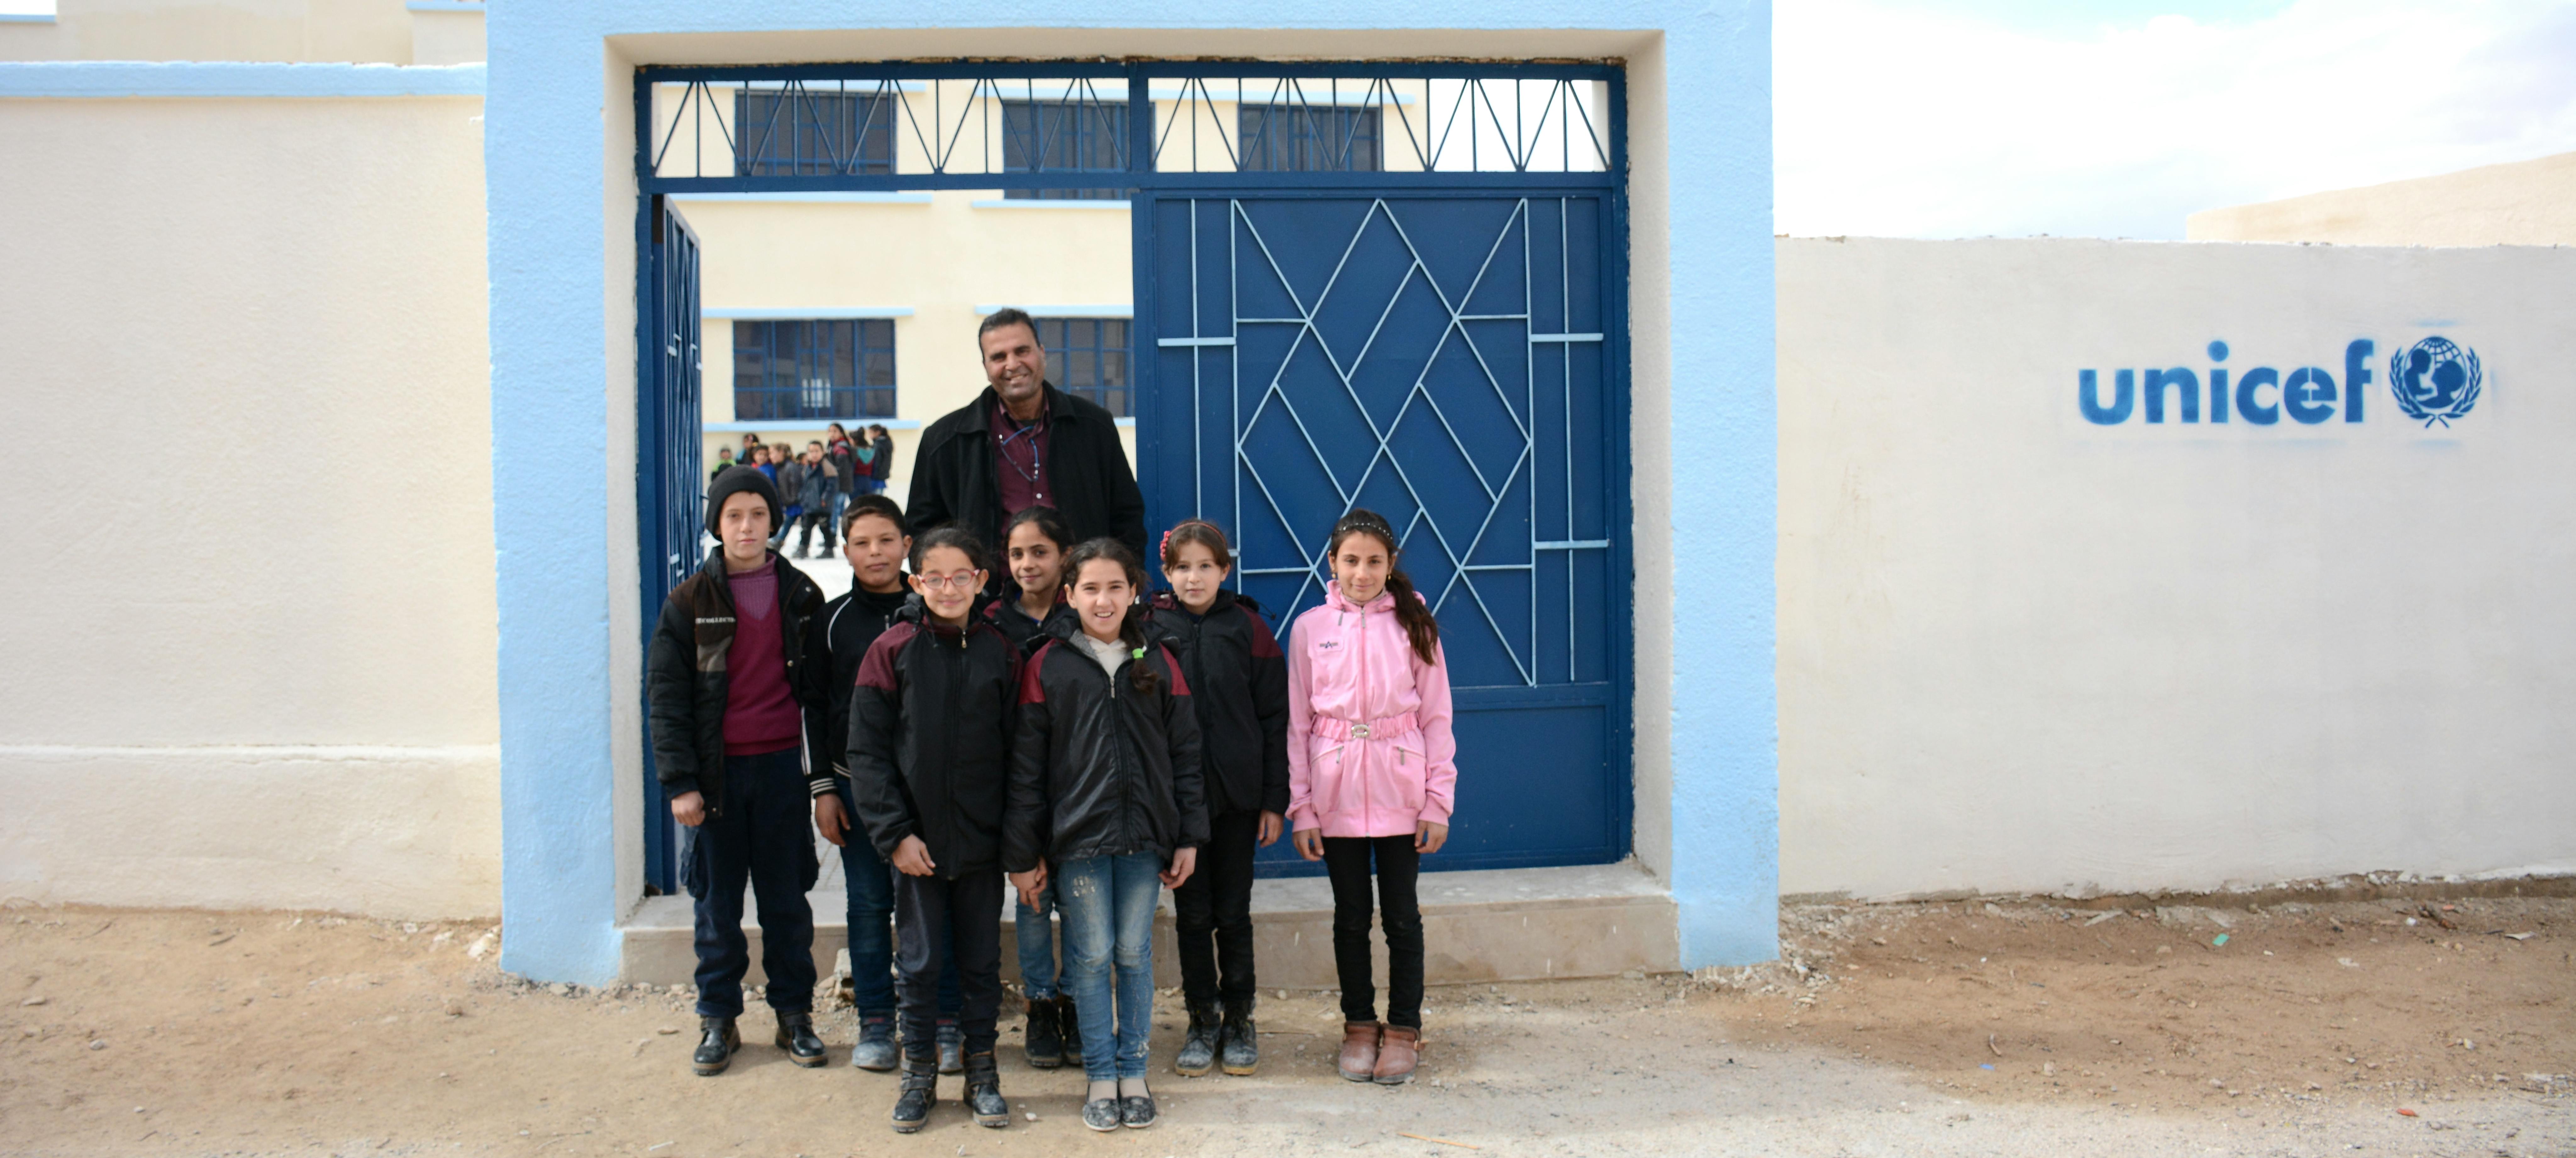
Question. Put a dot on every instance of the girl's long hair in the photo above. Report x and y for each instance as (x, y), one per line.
(1131, 627)
(1410, 610)
(1201, 532)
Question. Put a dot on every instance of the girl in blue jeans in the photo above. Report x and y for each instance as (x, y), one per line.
(1105, 801)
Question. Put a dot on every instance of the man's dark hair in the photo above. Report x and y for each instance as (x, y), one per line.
(878, 505)
(1008, 316)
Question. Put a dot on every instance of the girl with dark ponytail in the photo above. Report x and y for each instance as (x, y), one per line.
(1105, 800)
(1372, 778)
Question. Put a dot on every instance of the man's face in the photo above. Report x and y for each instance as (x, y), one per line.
(1014, 363)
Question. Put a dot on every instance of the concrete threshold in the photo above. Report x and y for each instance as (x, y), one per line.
(1480, 926)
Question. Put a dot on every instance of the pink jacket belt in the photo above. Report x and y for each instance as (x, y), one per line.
(1332, 728)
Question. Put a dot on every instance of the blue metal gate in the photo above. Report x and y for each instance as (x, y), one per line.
(1443, 360)
(1381, 284)
(670, 490)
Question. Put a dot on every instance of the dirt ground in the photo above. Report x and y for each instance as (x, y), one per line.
(2013, 1028)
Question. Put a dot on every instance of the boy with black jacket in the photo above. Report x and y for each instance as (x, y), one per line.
(931, 724)
(733, 679)
(875, 541)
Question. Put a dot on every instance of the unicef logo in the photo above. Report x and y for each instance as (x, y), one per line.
(2436, 381)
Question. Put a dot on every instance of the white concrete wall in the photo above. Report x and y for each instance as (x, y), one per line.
(2019, 651)
(2522, 203)
(254, 628)
(343, 31)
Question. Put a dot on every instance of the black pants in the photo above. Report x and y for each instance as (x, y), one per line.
(807, 523)
(934, 916)
(1212, 913)
(1346, 860)
(763, 833)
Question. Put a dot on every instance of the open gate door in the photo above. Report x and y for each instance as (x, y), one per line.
(670, 483)
(1440, 359)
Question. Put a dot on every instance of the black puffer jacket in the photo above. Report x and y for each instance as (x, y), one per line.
(1031, 634)
(930, 740)
(851, 624)
(1239, 681)
(1100, 769)
(686, 684)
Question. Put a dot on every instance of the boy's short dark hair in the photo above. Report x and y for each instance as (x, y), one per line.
(878, 505)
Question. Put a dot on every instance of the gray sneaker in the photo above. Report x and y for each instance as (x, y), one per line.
(876, 1049)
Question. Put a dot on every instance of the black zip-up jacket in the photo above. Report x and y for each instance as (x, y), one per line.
(851, 623)
(957, 480)
(1239, 682)
(685, 681)
(1099, 769)
(930, 740)
(1004, 613)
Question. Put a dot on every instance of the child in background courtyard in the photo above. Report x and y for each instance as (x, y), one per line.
(1239, 683)
(1105, 801)
(929, 758)
(733, 683)
(1372, 776)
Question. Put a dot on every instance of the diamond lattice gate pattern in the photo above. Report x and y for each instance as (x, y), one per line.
(1451, 363)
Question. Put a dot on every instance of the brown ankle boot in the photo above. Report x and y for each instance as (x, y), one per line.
(1397, 1053)
(1359, 1050)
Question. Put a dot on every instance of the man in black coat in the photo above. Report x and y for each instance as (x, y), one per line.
(1023, 443)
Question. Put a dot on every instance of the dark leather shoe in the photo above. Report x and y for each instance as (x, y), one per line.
(1101, 1114)
(1136, 1113)
(1043, 1042)
(1397, 1055)
(1198, 1044)
(918, 1092)
(1068, 1020)
(984, 1092)
(876, 1049)
(796, 1036)
(717, 1040)
(1238, 1043)
(1359, 1050)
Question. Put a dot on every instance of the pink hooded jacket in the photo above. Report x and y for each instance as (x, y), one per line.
(1369, 747)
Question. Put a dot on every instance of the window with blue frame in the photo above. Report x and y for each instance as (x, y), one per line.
(1089, 358)
(1062, 137)
(813, 370)
(798, 133)
(1307, 139)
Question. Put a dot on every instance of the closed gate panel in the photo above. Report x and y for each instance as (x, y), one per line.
(1440, 360)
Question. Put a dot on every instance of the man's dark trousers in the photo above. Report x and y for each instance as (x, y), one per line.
(968, 909)
(763, 834)
(1212, 912)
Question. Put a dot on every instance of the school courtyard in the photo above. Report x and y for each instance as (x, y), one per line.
(2313, 1028)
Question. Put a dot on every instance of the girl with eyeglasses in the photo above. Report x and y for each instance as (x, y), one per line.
(931, 726)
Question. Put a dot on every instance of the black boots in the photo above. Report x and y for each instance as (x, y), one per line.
(1071, 1025)
(717, 1041)
(1199, 1045)
(984, 1092)
(1044, 1040)
(918, 1092)
(796, 1036)
(1238, 1043)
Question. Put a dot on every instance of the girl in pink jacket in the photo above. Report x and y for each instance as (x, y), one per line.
(1372, 773)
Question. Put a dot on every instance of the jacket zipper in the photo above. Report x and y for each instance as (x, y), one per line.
(1362, 649)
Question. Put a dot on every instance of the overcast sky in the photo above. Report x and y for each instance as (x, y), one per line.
(2118, 118)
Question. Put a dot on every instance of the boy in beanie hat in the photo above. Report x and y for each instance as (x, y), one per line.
(734, 680)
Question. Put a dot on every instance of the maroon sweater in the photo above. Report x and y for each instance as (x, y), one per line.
(761, 713)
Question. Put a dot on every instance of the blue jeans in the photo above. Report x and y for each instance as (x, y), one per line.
(870, 881)
(1039, 980)
(1107, 903)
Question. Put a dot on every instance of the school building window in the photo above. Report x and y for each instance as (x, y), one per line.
(1307, 139)
(779, 133)
(1064, 136)
(813, 370)
(1088, 358)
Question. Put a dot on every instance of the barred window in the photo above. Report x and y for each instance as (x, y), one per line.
(780, 133)
(1088, 358)
(1307, 139)
(1064, 136)
(813, 370)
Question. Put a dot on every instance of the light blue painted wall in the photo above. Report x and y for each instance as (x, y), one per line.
(543, 154)
(80, 79)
